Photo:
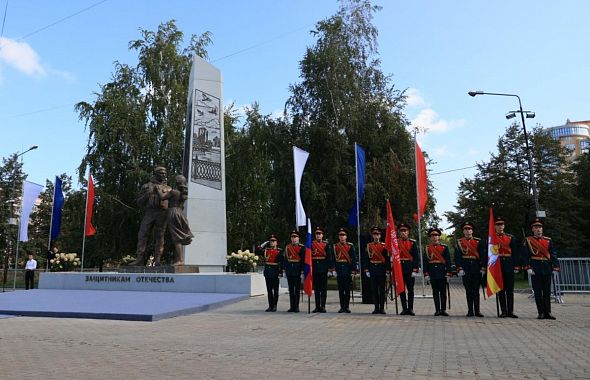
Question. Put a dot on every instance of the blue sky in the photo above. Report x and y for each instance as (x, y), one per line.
(437, 50)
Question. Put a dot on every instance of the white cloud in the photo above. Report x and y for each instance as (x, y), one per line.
(414, 98)
(441, 151)
(429, 122)
(20, 56)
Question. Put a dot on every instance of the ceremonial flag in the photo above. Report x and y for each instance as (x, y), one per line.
(421, 183)
(495, 283)
(58, 202)
(299, 160)
(31, 192)
(89, 229)
(393, 248)
(308, 270)
(360, 185)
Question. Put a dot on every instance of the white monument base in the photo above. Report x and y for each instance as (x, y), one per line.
(252, 284)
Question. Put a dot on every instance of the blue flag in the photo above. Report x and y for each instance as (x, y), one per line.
(58, 203)
(360, 175)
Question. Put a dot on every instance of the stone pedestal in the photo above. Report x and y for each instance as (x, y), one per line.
(160, 269)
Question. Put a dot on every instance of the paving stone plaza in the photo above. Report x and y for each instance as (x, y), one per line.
(242, 341)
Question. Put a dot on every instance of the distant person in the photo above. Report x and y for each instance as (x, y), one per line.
(509, 252)
(345, 264)
(542, 262)
(30, 267)
(321, 255)
(376, 266)
(437, 270)
(408, 252)
(471, 259)
(273, 270)
(294, 262)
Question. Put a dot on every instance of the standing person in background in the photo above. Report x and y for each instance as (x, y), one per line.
(345, 263)
(376, 267)
(471, 261)
(294, 261)
(542, 262)
(273, 269)
(437, 269)
(509, 252)
(321, 255)
(408, 253)
(30, 267)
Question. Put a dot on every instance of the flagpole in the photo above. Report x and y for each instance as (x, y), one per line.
(50, 225)
(358, 217)
(418, 214)
(16, 256)
(84, 228)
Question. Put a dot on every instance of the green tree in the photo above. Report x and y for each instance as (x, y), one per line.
(136, 123)
(11, 184)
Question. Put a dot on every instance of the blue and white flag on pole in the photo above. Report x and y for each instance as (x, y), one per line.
(299, 160)
(360, 185)
(58, 203)
(31, 192)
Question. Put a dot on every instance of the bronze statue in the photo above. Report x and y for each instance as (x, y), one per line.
(151, 198)
(178, 227)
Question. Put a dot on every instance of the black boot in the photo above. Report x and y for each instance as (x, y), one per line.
(510, 305)
(469, 305)
(403, 301)
(548, 308)
(476, 307)
(411, 304)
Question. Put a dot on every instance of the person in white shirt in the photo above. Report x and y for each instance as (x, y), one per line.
(30, 267)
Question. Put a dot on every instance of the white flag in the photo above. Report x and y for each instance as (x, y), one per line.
(299, 160)
(31, 192)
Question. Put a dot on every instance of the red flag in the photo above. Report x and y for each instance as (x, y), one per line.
(421, 183)
(89, 229)
(393, 248)
(495, 282)
(308, 268)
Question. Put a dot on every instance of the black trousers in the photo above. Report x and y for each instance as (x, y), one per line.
(408, 303)
(344, 283)
(320, 289)
(272, 291)
(439, 293)
(378, 290)
(294, 291)
(471, 282)
(542, 289)
(506, 296)
(29, 279)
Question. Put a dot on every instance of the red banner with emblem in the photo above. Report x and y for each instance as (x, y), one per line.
(391, 244)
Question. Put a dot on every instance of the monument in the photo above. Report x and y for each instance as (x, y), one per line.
(204, 168)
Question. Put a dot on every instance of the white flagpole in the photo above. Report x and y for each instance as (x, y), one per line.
(84, 228)
(358, 217)
(418, 213)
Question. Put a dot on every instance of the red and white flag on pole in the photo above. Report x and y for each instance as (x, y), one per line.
(421, 183)
(391, 244)
(89, 229)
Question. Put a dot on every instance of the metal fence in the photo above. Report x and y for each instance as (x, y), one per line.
(574, 275)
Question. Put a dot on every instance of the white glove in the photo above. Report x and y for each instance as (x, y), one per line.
(414, 274)
(448, 278)
(368, 274)
(302, 276)
(530, 271)
(483, 270)
(516, 271)
(426, 278)
(461, 273)
(334, 274)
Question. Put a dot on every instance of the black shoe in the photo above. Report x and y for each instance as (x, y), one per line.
(540, 316)
(444, 313)
(269, 309)
(437, 313)
(470, 314)
(347, 310)
(375, 311)
(503, 315)
(316, 310)
(296, 310)
(404, 312)
(478, 314)
(290, 310)
(411, 312)
(274, 309)
(341, 310)
(323, 310)
(549, 316)
(512, 315)
(382, 312)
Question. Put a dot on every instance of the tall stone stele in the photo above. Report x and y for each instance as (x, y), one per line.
(204, 167)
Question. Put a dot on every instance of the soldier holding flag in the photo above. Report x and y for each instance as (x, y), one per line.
(410, 267)
(508, 252)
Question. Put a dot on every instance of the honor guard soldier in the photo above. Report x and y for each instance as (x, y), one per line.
(437, 269)
(376, 267)
(294, 266)
(408, 252)
(471, 261)
(345, 263)
(321, 256)
(273, 269)
(509, 253)
(542, 262)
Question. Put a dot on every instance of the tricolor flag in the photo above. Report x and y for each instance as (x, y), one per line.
(421, 183)
(495, 283)
(58, 203)
(393, 248)
(308, 271)
(89, 229)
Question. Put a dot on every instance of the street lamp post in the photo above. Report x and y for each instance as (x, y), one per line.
(12, 219)
(510, 115)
